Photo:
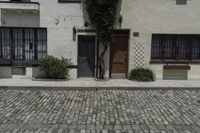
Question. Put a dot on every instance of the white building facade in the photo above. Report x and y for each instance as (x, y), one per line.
(162, 35)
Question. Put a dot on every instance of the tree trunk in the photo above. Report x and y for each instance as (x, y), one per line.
(102, 63)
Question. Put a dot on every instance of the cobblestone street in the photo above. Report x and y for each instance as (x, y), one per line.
(101, 111)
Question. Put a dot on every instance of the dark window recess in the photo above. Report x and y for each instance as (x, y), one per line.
(69, 1)
(175, 47)
(181, 2)
(26, 44)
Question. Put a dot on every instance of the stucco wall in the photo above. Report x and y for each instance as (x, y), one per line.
(60, 18)
(60, 22)
(159, 16)
(142, 16)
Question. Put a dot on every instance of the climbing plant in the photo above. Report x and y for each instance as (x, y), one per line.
(102, 14)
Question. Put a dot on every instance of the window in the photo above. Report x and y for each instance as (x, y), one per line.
(65, 1)
(181, 2)
(175, 47)
(27, 44)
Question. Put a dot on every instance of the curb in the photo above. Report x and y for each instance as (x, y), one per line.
(94, 88)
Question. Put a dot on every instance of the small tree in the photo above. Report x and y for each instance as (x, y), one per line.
(102, 15)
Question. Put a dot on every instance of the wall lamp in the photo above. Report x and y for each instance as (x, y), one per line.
(74, 33)
(120, 19)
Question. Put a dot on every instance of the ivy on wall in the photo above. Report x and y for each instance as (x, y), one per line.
(102, 15)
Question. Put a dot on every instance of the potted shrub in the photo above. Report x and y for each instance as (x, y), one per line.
(141, 74)
(55, 68)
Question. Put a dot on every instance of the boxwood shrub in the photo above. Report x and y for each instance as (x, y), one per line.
(55, 68)
(141, 74)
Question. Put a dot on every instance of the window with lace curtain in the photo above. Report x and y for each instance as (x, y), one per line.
(175, 47)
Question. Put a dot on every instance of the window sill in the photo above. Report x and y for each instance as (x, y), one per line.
(69, 1)
(176, 67)
(13, 5)
(18, 63)
(174, 62)
(19, 2)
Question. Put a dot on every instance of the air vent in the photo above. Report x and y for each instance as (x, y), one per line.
(18, 70)
(181, 2)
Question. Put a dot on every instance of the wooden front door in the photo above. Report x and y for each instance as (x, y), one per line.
(86, 56)
(119, 55)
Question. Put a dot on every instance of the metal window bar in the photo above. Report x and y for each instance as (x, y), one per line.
(1, 52)
(169, 45)
(6, 44)
(156, 47)
(183, 48)
(195, 47)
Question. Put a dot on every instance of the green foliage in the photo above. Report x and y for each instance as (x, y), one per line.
(141, 74)
(55, 68)
(102, 15)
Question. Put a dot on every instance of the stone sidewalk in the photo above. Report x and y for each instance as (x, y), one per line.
(92, 83)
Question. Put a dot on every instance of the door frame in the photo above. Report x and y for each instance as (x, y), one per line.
(126, 32)
(95, 53)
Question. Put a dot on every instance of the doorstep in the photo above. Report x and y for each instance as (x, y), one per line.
(91, 84)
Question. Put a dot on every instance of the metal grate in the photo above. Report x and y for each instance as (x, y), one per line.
(25, 44)
(18, 70)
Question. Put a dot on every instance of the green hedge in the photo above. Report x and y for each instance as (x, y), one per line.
(55, 68)
(141, 74)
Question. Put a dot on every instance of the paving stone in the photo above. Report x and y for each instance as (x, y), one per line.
(102, 111)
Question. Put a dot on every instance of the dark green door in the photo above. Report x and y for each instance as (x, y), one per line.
(86, 56)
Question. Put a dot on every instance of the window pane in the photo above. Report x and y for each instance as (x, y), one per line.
(169, 45)
(156, 47)
(42, 43)
(196, 47)
(6, 44)
(29, 44)
(183, 49)
(17, 40)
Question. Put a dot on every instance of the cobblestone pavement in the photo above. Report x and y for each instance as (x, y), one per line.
(102, 111)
